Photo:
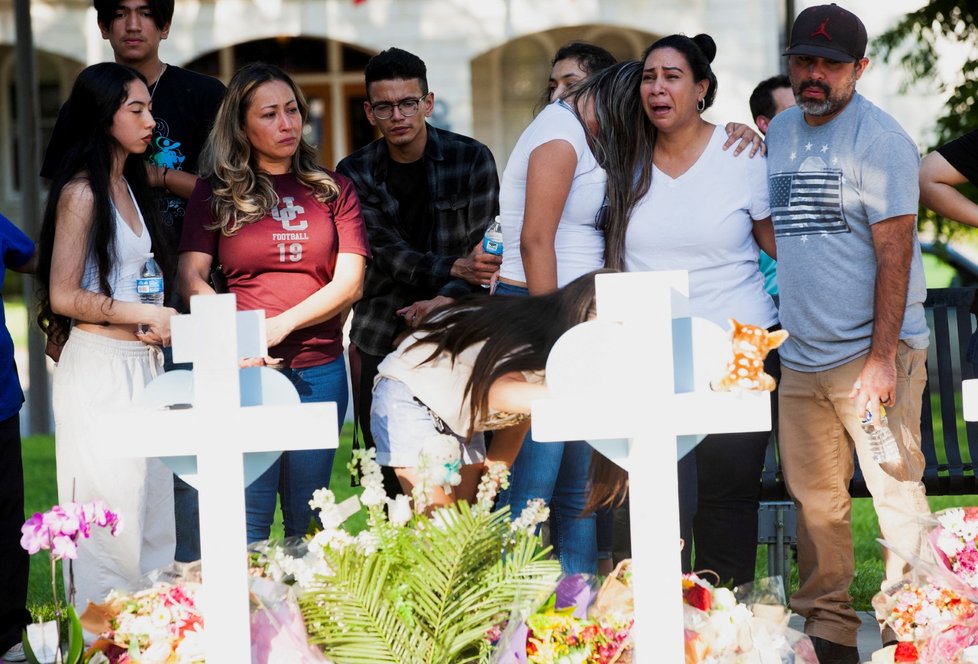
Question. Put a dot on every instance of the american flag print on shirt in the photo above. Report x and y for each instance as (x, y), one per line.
(807, 203)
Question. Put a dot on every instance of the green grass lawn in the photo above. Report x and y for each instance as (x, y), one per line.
(41, 493)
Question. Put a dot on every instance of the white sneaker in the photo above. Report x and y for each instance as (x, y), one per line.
(15, 654)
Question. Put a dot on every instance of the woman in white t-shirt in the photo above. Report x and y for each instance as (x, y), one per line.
(706, 211)
(551, 196)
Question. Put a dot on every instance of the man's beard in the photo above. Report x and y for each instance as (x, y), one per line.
(828, 106)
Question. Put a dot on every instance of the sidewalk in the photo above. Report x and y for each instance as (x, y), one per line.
(869, 634)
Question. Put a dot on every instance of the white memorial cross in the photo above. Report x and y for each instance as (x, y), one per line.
(219, 432)
(634, 383)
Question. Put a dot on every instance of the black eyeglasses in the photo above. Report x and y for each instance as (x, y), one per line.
(408, 107)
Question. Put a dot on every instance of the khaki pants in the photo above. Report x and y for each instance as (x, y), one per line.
(819, 427)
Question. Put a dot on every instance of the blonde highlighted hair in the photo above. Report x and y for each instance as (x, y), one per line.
(241, 194)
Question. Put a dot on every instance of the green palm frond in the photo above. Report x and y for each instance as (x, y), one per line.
(352, 616)
(432, 598)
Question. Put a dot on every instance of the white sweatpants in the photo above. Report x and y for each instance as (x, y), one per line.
(94, 374)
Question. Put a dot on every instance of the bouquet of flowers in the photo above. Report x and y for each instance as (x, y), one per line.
(158, 625)
(930, 621)
(413, 587)
(934, 612)
(955, 543)
(278, 633)
(567, 629)
(748, 625)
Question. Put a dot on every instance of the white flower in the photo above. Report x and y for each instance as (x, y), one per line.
(322, 499)
(373, 495)
(535, 512)
(191, 648)
(399, 510)
(367, 543)
(161, 617)
(158, 653)
(495, 477)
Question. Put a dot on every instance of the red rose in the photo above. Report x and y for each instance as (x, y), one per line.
(698, 597)
(905, 652)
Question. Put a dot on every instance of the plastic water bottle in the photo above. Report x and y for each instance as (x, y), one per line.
(492, 240)
(883, 446)
(149, 286)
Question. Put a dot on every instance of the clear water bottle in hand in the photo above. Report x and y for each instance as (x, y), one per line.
(883, 446)
(492, 240)
(149, 286)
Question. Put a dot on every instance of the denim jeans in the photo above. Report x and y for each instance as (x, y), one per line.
(557, 473)
(297, 474)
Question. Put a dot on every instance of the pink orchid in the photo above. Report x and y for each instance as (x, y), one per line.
(63, 547)
(60, 528)
(35, 536)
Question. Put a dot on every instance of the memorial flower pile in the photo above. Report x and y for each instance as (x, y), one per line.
(722, 629)
(413, 587)
(159, 625)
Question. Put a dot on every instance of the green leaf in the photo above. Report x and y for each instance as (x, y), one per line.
(75, 639)
(431, 594)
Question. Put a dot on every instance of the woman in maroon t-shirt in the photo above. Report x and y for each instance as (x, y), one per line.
(290, 239)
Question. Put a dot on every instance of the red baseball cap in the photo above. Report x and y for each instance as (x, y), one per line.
(828, 31)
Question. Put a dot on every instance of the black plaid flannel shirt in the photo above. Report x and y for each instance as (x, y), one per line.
(463, 194)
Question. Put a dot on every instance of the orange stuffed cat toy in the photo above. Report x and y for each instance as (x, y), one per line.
(751, 344)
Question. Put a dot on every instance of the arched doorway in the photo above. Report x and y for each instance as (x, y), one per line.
(330, 74)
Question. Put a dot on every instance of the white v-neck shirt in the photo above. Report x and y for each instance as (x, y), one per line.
(702, 222)
(130, 255)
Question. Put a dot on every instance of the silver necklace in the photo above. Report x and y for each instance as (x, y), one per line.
(158, 79)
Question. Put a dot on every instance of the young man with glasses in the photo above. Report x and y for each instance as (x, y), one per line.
(427, 196)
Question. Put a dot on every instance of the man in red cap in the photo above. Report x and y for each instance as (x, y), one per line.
(843, 183)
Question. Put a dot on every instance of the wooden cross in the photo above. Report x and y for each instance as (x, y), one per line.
(634, 383)
(221, 433)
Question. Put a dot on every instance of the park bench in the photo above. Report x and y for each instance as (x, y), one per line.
(950, 445)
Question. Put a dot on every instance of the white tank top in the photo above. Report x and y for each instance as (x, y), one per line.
(130, 254)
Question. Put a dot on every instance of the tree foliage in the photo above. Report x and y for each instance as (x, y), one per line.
(913, 42)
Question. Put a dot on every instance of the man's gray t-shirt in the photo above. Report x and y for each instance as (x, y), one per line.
(828, 185)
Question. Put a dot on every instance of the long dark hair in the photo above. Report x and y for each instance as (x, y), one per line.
(98, 93)
(622, 145)
(518, 332)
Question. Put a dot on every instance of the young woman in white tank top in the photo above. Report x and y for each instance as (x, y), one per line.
(99, 224)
